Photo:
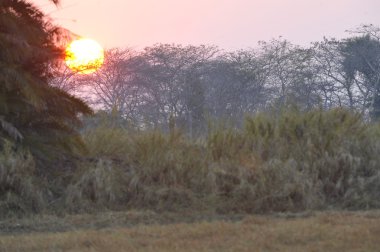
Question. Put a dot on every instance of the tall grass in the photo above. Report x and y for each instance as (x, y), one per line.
(288, 161)
(19, 190)
(151, 168)
(303, 160)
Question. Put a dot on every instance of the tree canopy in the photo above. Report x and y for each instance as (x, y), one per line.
(34, 114)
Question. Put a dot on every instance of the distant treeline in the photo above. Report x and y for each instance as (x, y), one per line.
(189, 85)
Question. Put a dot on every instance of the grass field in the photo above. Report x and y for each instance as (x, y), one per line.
(149, 231)
(202, 194)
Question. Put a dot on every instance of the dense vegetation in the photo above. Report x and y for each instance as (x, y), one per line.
(191, 85)
(289, 161)
(34, 114)
(286, 129)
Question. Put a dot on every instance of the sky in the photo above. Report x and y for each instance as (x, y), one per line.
(229, 24)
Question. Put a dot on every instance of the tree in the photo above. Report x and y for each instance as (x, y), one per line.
(34, 114)
(115, 86)
(291, 75)
(235, 85)
(335, 86)
(362, 64)
(170, 75)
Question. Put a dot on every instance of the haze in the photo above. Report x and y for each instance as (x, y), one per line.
(230, 24)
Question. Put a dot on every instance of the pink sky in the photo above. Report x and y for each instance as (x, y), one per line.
(230, 24)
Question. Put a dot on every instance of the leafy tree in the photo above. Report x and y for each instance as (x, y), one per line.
(362, 63)
(34, 114)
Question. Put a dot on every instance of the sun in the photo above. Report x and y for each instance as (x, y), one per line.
(84, 56)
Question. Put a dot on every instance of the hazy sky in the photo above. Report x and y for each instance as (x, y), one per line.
(230, 24)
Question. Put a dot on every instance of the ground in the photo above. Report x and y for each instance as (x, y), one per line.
(150, 231)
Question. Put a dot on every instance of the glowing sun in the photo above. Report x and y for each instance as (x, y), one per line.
(84, 56)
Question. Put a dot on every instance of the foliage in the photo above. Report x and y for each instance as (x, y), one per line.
(145, 155)
(32, 113)
(191, 85)
(361, 56)
(286, 161)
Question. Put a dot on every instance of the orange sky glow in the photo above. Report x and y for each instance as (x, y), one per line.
(230, 24)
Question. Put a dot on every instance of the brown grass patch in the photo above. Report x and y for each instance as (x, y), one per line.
(334, 231)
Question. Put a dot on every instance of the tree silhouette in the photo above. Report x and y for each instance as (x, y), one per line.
(362, 57)
(34, 114)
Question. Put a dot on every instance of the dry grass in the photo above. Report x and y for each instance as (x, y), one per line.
(288, 161)
(328, 231)
(19, 190)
